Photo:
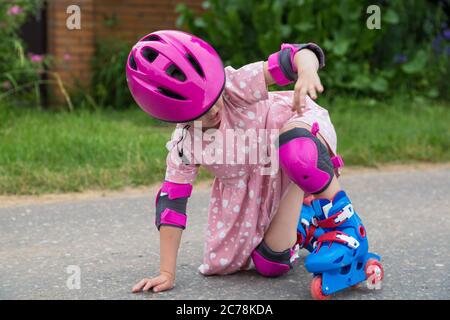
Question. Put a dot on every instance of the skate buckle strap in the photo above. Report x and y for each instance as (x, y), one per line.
(310, 229)
(315, 222)
(337, 219)
(305, 223)
(340, 237)
(309, 235)
(351, 242)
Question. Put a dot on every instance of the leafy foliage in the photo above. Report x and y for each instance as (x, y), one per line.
(20, 74)
(410, 51)
(109, 81)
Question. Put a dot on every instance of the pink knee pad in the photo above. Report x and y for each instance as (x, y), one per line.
(305, 159)
(270, 263)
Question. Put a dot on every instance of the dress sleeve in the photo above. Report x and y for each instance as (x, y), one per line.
(180, 161)
(246, 85)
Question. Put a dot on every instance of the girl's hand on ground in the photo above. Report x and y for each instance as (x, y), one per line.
(308, 83)
(165, 281)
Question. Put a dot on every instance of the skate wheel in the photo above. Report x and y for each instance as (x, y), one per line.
(316, 289)
(374, 272)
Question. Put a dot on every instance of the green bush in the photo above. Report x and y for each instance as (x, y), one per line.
(110, 87)
(20, 74)
(409, 53)
(109, 84)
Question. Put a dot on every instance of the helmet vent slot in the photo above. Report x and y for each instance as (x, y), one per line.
(149, 54)
(195, 64)
(132, 63)
(176, 73)
(170, 94)
(151, 38)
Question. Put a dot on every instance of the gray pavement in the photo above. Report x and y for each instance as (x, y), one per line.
(114, 243)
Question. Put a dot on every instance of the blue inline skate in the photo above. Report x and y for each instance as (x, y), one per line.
(340, 258)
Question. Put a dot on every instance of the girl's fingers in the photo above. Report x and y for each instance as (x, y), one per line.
(312, 93)
(303, 92)
(139, 285)
(319, 87)
(296, 101)
(135, 289)
(158, 284)
(153, 282)
(162, 287)
(148, 285)
(300, 92)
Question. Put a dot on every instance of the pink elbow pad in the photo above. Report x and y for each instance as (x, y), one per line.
(171, 202)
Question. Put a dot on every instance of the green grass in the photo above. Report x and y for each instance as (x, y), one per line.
(372, 133)
(46, 152)
(43, 152)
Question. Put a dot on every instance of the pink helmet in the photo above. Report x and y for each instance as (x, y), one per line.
(174, 76)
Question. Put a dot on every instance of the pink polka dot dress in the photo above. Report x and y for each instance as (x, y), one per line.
(243, 201)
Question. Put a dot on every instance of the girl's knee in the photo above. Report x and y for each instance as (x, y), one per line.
(305, 159)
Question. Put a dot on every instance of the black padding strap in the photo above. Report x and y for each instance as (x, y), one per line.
(269, 254)
(284, 61)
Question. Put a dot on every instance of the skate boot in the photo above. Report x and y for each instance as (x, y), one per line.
(340, 258)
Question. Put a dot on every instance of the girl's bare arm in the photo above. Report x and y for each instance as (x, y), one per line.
(170, 238)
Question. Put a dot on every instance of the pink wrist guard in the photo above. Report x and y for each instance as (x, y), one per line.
(282, 66)
(275, 70)
(292, 51)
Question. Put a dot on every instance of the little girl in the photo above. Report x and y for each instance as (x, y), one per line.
(253, 216)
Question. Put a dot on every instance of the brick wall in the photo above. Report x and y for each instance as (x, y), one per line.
(73, 50)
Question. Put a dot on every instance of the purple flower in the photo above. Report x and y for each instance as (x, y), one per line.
(446, 34)
(400, 58)
(67, 57)
(15, 10)
(36, 57)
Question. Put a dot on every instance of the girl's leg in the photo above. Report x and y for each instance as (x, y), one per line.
(282, 232)
(272, 256)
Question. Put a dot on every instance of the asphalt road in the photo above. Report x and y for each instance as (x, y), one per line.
(112, 242)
